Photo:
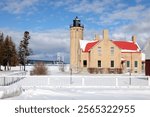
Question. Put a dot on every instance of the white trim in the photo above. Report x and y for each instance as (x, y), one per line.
(124, 50)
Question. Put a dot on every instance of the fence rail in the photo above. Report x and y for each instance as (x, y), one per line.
(75, 81)
(12, 78)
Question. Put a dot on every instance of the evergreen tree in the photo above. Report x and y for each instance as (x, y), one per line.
(7, 52)
(1, 49)
(14, 57)
(24, 50)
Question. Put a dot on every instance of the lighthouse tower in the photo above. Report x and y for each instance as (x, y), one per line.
(76, 34)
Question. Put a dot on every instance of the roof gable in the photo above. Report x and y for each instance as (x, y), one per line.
(87, 45)
(90, 45)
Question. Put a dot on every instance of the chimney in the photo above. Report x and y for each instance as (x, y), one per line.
(105, 34)
(97, 37)
(134, 39)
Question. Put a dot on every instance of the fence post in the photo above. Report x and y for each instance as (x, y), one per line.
(130, 80)
(4, 81)
(70, 76)
(83, 82)
(48, 81)
(116, 82)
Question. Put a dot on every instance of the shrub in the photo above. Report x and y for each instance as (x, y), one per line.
(93, 70)
(39, 69)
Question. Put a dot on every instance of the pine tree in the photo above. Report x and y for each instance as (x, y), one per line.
(14, 57)
(24, 50)
(1, 49)
(9, 52)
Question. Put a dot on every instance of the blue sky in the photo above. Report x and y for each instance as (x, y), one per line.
(48, 21)
(51, 14)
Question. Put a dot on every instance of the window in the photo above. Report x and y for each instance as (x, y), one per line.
(99, 50)
(99, 63)
(135, 63)
(112, 50)
(128, 63)
(84, 63)
(112, 63)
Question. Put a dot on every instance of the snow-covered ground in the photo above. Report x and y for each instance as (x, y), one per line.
(60, 85)
(83, 94)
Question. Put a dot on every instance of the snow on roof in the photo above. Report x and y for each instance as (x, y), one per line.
(83, 44)
(87, 45)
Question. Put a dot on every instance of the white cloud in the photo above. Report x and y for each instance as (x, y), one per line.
(18, 6)
(140, 29)
(47, 42)
(84, 6)
(108, 11)
(132, 13)
(60, 3)
(138, 1)
(95, 6)
(51, 41)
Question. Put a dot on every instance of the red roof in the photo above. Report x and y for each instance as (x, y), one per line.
(126, 45)
(90, 45)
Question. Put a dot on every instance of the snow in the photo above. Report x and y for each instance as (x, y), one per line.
(83, 43)
(10, 91)
(83, 94)
(1, 94)
(61, 86)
